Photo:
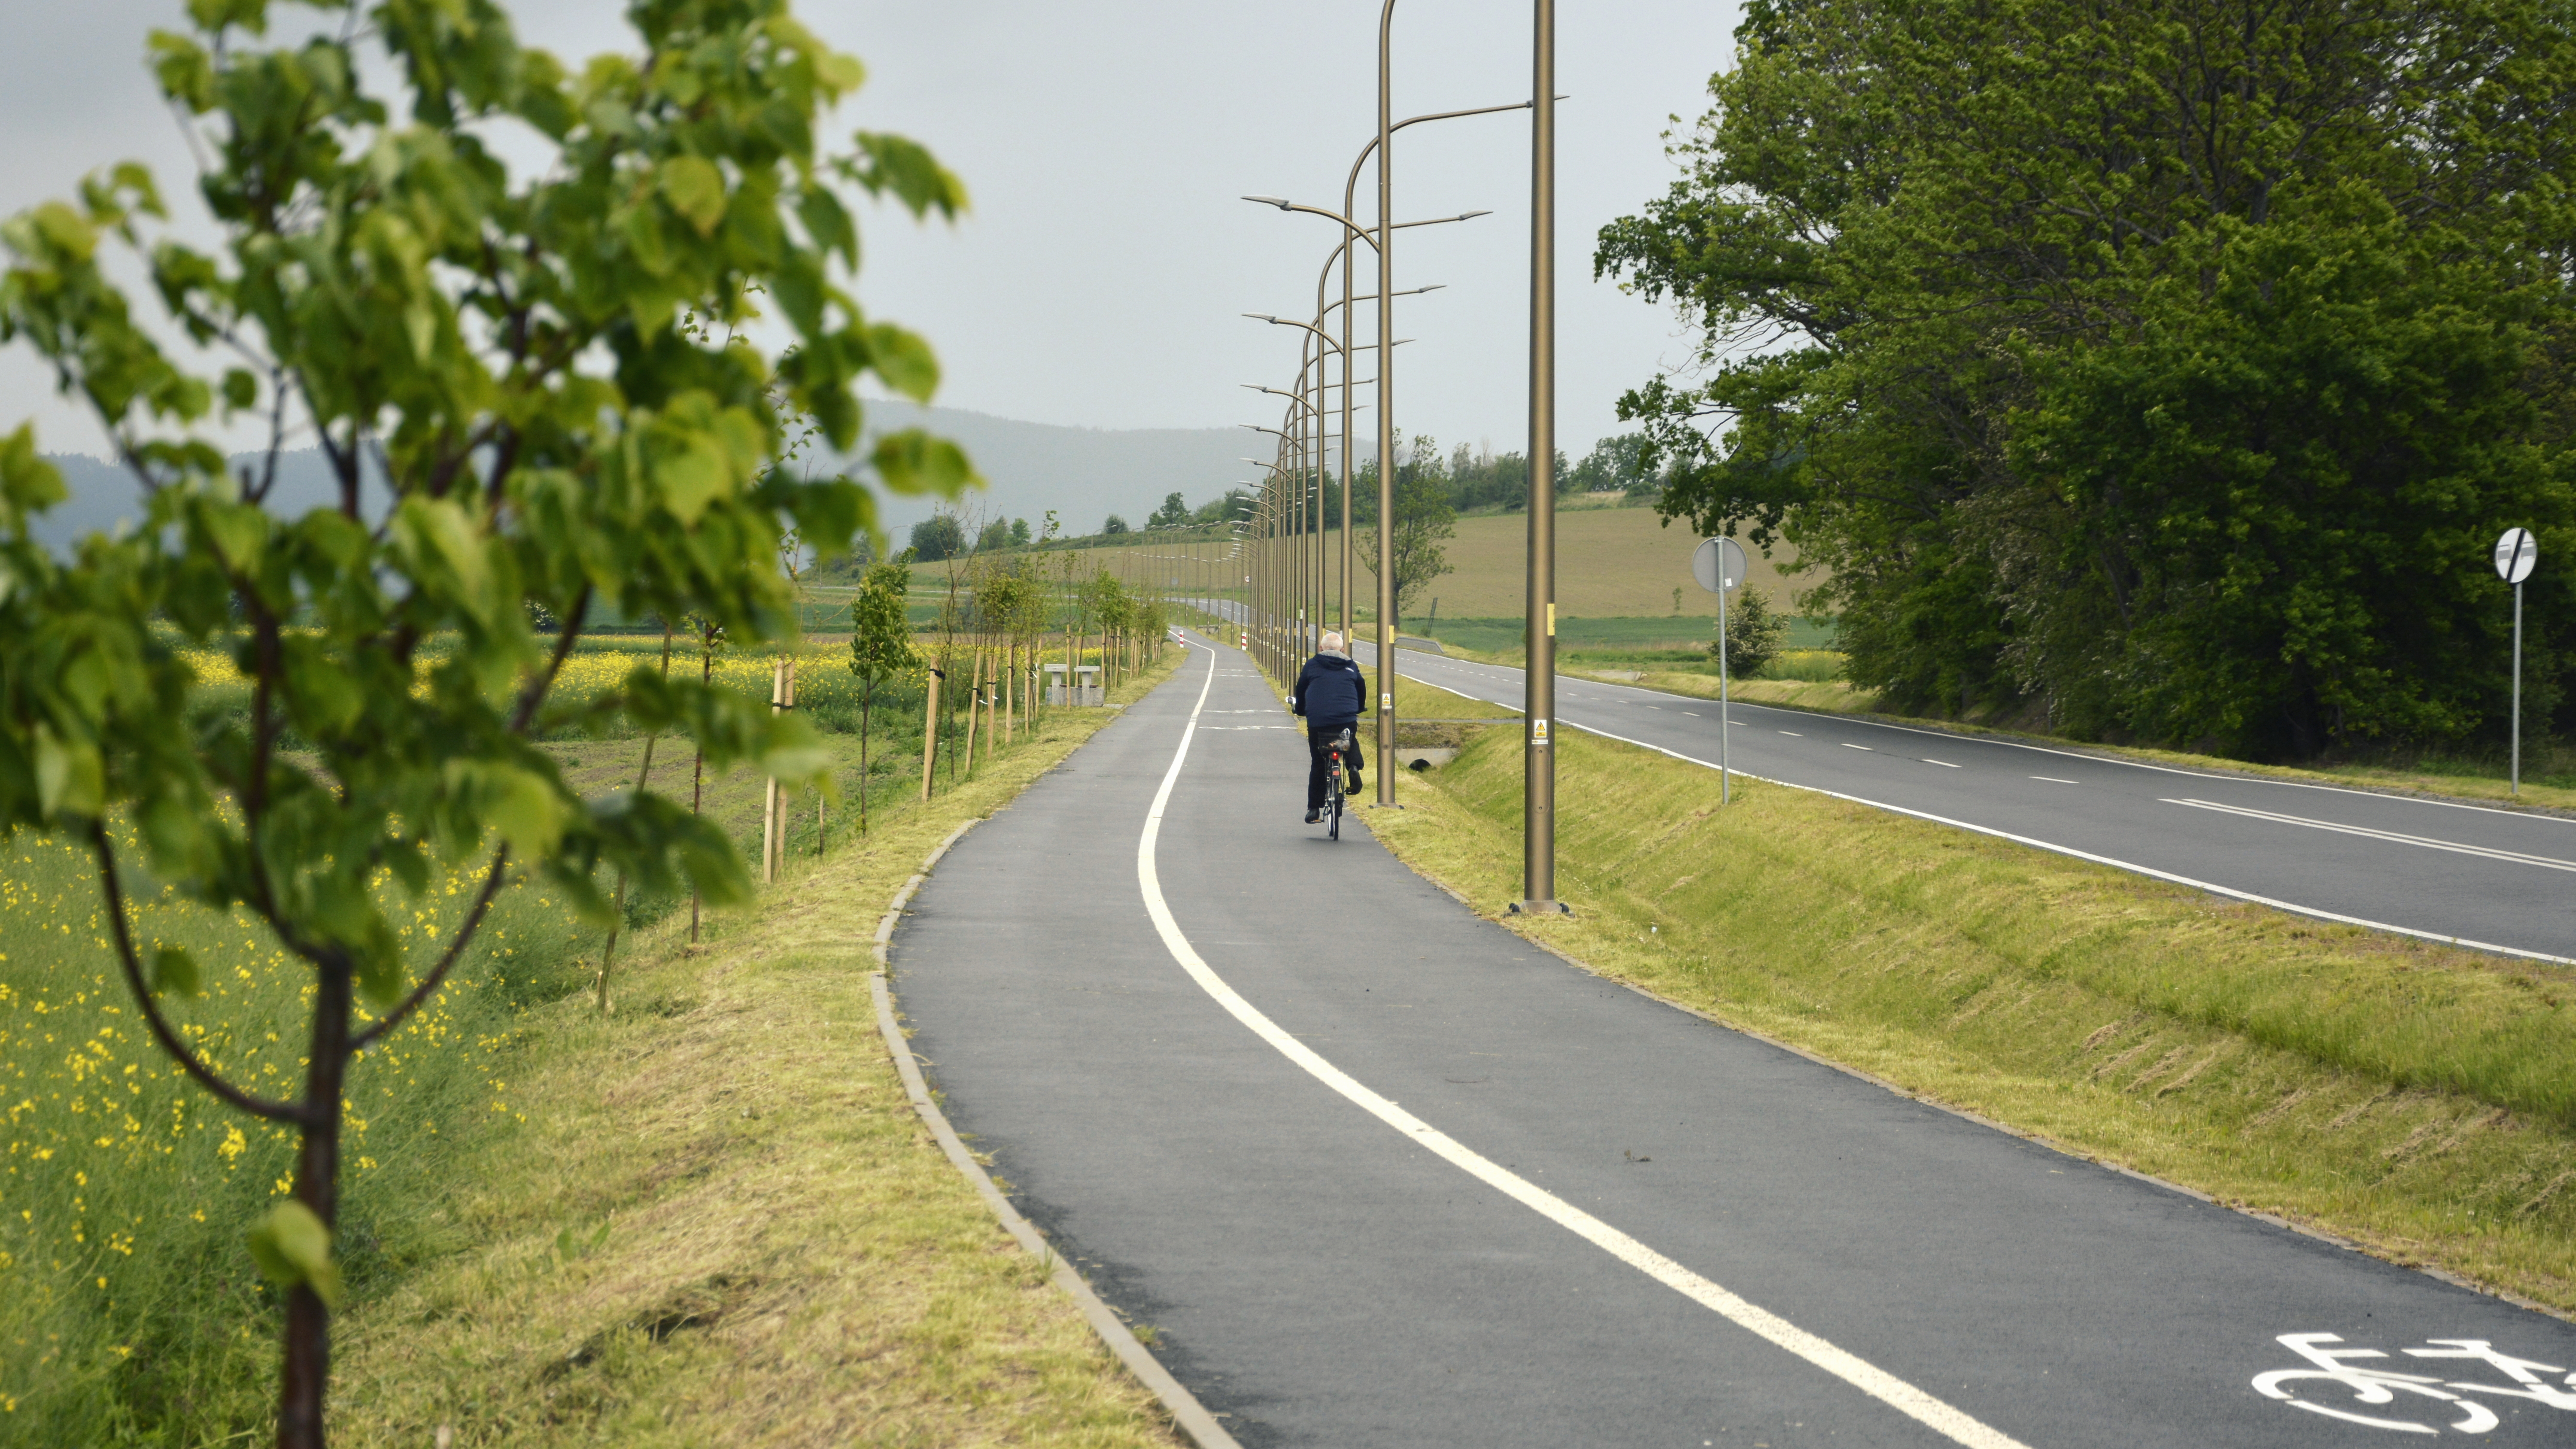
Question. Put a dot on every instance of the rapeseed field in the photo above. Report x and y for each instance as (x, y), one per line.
(129, 1308)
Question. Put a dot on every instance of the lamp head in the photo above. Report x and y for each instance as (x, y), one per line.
(1281, 202)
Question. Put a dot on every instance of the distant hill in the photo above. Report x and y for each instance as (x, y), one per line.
(1084, 474)
(104, 495)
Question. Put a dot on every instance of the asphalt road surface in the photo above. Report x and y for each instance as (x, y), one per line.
(1376, 1172)
(2498, 880)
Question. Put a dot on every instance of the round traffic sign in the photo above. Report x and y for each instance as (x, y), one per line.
(1718, 564)
(2516, 554)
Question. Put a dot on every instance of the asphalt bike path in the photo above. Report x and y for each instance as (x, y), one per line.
(2489, 878)
(1377, 1172)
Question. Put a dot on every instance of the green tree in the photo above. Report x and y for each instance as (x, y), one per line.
(880, 649)
(531, 388)
(1754, 634)
(1172, 514)
(1423, 521)
(938, 538)
(1019, 533)
(2191, 416)
(1115, 525)
(993, 537)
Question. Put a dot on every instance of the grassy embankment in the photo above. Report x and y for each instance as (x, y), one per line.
(709, 1218)
(2415, 1099)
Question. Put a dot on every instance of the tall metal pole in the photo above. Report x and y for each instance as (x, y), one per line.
(1538, 773)
(1347, 636)
(1385, 406)
(2517, 689)
(1725, 770)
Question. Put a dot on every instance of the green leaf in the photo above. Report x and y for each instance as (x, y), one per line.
(174, 970)
(28, 484)
(239, 532)
(913, 461)
(69, 777)
(441, 540)
(527, 811)
(909, 171)
(66, 230)
(696, 190)
(292, 1247)
(186, 72)
(903, 360)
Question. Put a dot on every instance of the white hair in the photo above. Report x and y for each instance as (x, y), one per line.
(1332, 641)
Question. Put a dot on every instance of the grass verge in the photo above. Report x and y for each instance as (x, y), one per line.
(709, 1219)
(721, 1222)
(2417, 1100)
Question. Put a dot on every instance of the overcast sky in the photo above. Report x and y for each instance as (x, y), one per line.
(1098, 279)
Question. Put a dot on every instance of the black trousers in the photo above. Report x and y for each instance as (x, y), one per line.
(1319, 739)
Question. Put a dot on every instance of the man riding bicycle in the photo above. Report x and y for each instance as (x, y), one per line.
(1330, 693)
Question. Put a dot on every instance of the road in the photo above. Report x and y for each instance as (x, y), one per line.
(1377, 1172)
(2488, 878)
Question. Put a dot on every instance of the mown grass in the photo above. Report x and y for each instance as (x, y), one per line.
(2416, 1099)
(787, 1259)
(710, 1218)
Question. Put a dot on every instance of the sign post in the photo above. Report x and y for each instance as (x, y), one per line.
(1718, 564)
(2516, 554)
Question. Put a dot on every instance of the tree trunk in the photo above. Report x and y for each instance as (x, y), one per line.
(643, 780)
(698, 773)
(974, 703)
(929, 732)
(867, 703)
(317, 1176)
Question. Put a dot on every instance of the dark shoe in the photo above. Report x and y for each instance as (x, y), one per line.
(1314, 815)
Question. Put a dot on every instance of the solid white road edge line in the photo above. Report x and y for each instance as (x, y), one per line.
(1880, 724)
(2312, 912)
(1869, 1379)
(2293, 907)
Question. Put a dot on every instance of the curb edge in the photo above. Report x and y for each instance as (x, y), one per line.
(1187, 1413)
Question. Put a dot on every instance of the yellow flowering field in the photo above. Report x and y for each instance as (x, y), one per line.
(129, 1308)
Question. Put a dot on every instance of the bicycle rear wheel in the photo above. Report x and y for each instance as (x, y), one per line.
(1333, 800)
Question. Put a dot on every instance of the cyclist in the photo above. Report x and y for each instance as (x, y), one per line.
(1330, 693)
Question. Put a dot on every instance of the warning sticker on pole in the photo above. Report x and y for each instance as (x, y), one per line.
(1538, 731)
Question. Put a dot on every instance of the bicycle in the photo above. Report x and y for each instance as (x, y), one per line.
(1333, 783)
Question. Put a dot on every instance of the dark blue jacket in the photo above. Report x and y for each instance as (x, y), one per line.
(1331, 689)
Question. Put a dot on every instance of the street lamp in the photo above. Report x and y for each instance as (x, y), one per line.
(1538, 678)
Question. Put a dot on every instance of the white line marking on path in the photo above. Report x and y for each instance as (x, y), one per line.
(2481, 851)
(1793, 734)
(1944, 764)
(1848, 745)
(2052, 779)
(1869, 1379)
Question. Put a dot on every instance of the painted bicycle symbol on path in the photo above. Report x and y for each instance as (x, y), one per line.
(2440, 1398)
